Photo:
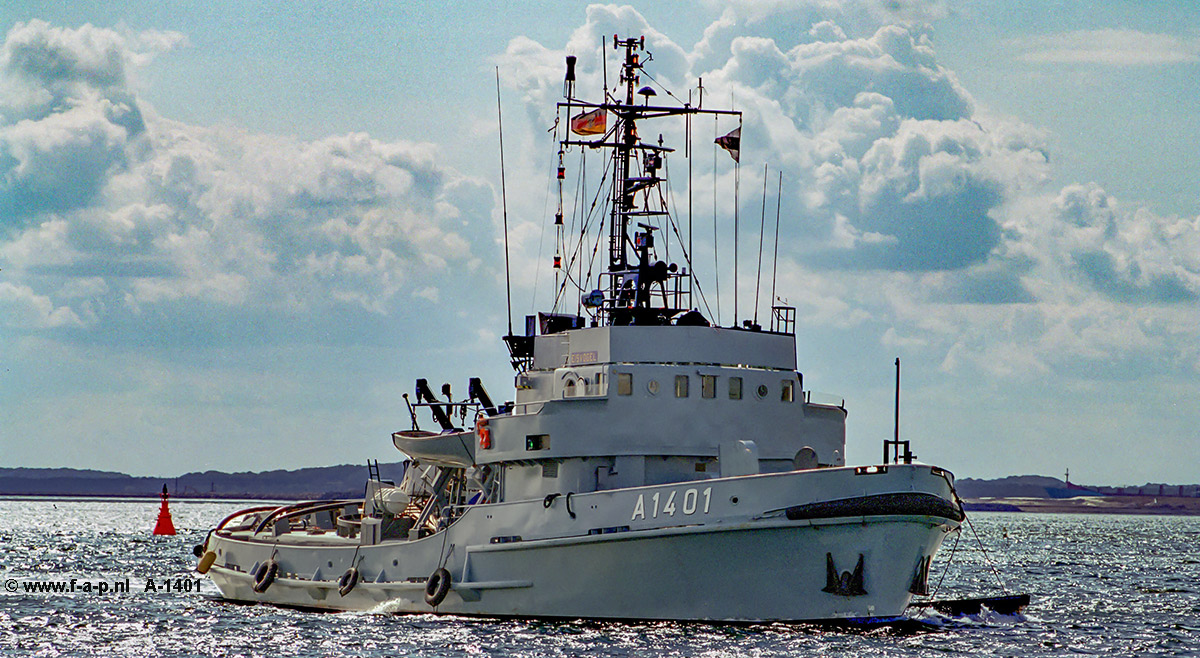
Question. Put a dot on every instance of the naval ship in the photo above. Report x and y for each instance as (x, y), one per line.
(650, 466)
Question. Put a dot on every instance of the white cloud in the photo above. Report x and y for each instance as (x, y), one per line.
(1108, 47)
(27, 309)
(150, 211)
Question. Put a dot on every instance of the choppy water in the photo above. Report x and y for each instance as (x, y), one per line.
(1105, 585)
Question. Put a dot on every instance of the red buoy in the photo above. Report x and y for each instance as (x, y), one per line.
(164, 526)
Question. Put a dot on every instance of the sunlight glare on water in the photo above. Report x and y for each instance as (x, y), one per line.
(1105, 585)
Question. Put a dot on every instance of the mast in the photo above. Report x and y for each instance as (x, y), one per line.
(634, 288)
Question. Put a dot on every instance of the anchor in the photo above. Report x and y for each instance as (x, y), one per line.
(848, 584)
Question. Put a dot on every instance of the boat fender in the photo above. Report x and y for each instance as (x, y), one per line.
(265, 575)
(347, 582)
(437, 587)
(484, 434)
(206, 562)
(198, 550)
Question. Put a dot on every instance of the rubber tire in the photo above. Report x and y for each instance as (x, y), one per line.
(347, 582)
(437, 587)
(265, 575)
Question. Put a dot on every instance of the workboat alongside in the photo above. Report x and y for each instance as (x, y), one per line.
(650, 466)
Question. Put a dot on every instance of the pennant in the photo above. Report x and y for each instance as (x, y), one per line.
(732, 143)
(589, 123)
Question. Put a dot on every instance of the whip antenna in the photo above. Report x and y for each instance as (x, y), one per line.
(504, 204)
(762, 222)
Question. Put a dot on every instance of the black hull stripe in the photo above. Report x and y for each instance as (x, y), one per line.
(891, 504)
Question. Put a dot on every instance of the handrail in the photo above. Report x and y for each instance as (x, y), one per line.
(261, 508)
(307, 507)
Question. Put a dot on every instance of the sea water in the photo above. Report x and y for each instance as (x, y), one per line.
(1101, 585)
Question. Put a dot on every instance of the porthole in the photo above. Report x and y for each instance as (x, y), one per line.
(762, 391)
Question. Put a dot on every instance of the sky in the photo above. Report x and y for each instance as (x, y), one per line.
(232, 235)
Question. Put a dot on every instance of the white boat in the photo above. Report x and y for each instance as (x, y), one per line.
(650, 465)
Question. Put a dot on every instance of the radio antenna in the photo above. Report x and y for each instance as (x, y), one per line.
(504, 204)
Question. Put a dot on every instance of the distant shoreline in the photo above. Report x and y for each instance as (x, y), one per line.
(1144, 505)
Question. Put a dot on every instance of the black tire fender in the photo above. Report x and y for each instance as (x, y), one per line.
(347, 582)
(264, 575)
(437, 587)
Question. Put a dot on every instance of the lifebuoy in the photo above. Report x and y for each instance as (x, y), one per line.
(484, 434)
(437, 587)
(264, 575)
(347, 581)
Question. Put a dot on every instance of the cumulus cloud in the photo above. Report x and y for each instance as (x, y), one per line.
(112, 210)
(1127, 255)
(27, 309)
(906, 207)
(888, 161)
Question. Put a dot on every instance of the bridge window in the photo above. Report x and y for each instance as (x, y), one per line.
(787, 394)
(735, 388)
(681, 386)
(708, 386)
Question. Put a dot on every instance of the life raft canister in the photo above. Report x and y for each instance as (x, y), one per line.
(484, 434)
(437, 587)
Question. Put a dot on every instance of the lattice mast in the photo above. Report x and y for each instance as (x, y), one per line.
(634, 290)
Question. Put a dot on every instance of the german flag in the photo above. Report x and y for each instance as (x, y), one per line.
(589, 123)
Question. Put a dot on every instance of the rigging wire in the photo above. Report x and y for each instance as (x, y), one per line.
(983, 550)
(716, 241)
(579, 244)
(686, 256)
(660, 85)
(578, 213)
(946, 569)
(737, 186)
(775, 259)
(688, 154)
(537, 271)
(762, 223)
